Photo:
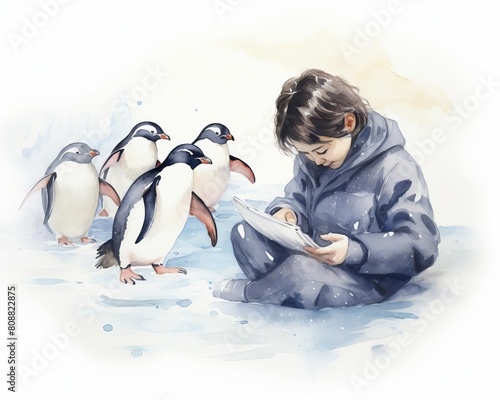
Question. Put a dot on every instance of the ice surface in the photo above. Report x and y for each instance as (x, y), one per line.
(178, 314)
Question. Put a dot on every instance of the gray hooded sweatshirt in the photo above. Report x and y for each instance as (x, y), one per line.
(378, 198)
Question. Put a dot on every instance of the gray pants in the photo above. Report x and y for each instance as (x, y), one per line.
(284, 277)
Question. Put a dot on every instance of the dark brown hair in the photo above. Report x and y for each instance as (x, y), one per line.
(314, 105)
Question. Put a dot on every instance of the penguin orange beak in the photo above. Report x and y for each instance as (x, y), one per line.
(229, 137)
(205, 160)
(94, 152)
(164, 136)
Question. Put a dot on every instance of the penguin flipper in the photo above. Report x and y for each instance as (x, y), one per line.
(105, 189)
(149, 198)
(112, 159)
(46, 182)
(237, 165)
(199, 209)
(48, 198)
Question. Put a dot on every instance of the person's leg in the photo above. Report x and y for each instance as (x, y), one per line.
(256, 254)
(302, 282)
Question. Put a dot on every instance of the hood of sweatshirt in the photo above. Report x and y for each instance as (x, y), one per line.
(378, 136)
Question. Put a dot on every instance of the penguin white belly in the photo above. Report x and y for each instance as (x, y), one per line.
(210, 180)
(76, 191)
(140, 155)
(172, 206)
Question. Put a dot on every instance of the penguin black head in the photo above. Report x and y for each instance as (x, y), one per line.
(188, 154)
(77, 152)
(216, 133)
(148, 130)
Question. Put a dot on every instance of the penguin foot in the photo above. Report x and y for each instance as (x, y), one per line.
(161, 269)
(86, 239)
(104, 213)
(129, 276)
(63, 240)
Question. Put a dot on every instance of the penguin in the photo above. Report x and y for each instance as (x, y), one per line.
(210, 181)
(70, 193)
(153, 213)
(131, 157)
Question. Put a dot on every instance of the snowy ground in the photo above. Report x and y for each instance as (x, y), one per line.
(176, 316)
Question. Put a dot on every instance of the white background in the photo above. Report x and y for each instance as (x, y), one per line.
(228, 65)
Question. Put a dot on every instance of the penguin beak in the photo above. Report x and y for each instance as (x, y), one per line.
(229, 137)
(93, 152)
(205, 160)
(164, 136)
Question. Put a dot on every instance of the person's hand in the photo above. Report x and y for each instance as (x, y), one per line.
(333, 254)
(287, 215)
